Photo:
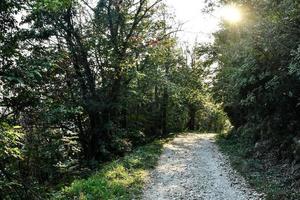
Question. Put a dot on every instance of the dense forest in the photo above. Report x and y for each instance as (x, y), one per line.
(258, 85)
(85, 82)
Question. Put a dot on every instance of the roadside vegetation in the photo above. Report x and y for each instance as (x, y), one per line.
(263, 174)
(84, 83)
(258, 85)
(122, 179)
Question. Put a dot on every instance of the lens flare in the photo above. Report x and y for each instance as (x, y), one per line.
(231, 14)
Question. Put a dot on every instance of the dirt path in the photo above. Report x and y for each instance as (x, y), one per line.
(191, 167)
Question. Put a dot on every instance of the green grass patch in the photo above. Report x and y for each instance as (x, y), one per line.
(121, 179)
(270, 181)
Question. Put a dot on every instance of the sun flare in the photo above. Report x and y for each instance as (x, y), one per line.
(231, 14)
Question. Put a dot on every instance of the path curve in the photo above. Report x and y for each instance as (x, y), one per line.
(191, 168)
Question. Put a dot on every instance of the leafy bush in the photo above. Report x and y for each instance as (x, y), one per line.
(270, 179)
(121, 179)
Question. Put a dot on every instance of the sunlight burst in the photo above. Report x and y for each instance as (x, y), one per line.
(231, 14)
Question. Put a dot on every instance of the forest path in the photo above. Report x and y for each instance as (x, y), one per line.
(191, 167)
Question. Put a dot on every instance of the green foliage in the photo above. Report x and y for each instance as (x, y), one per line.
(121, 179)
(257, 80)
(10, 154)
(52, 5)
(10, 140)
(212, 118)
(88, 85)
(257, 83)
(269, 180)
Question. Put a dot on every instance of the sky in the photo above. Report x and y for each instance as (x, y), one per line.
(197, 26)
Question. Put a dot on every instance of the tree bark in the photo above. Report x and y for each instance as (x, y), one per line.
(91, 139)
(192, 118)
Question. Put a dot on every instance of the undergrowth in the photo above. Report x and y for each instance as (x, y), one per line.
(120, 180)
(265, 178)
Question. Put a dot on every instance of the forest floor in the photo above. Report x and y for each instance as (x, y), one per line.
(192, 167)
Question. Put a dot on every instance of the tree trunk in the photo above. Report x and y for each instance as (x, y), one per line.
(78, 53)
(192, 118)
(164, 110)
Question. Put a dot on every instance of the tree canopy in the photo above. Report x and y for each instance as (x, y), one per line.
(83, 83)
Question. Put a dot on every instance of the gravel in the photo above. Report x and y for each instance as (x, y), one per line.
(192, 167)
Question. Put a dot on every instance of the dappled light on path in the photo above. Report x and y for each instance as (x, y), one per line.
(191, 167)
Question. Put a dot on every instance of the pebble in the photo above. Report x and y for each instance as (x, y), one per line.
(192, 168)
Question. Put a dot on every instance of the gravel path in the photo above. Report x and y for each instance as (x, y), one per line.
(192, 167)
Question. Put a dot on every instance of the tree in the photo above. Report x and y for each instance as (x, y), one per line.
(83, 84)
(256, 79)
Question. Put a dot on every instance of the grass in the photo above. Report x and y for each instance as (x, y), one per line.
(121, 179)
(269, 180)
